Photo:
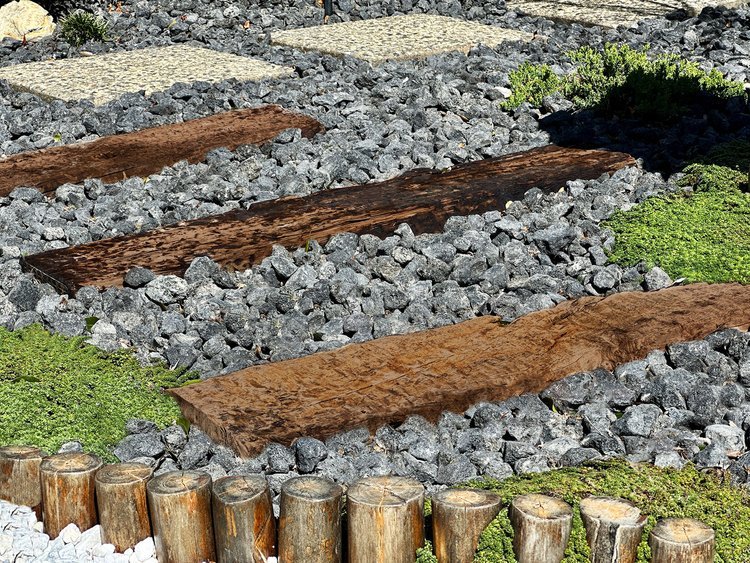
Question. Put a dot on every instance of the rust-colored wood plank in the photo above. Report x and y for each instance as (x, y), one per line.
(237, 239)
(451, 368)
(146, 152)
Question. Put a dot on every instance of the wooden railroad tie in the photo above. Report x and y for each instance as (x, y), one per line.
(450, 368)
(142, 153)
(238, 239)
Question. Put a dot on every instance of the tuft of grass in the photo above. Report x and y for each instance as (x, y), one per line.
(625, 81)
(55, 389)
(658, 492)
(80, 27)
(531, 83)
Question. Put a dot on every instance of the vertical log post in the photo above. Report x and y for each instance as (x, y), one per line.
(310, 521)
(180, 503)
(243, 519)
(681, 540)
(122, 502)
(20, 468)
(459, 516)
(68, 491)
(542, 527)
(613, 529)
(386, 520)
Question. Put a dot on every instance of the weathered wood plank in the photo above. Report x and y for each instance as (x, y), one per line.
(237, 239)
(450, 368)
(146, 152)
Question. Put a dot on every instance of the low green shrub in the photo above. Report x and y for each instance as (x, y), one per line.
(625, 81)
(659, 493)
(55, 389)
(79, 27)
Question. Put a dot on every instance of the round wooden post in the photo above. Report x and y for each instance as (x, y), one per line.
(243, 519)
(20, 476)
(613, 529)
(542, 527)
(180, 503)
(681, 540)
(68, 491)
(386, 520)
(123, 505)
(310, 520)
(459, 516)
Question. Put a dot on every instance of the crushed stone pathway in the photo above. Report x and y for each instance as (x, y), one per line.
(103, 78)
(397, 37)
(612, 13)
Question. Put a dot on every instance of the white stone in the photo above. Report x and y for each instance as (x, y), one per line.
(729, 437)
(144, 549)
(23, 19)
(102, 550)
(89, 539)
(39, 527)
(6, 541)
(70, 534)
(128, 552)
(116, 558)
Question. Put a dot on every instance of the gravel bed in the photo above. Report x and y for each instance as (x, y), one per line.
(381, 122)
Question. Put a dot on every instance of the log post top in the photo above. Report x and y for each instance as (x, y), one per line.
(234, 489)
(542, 506)
(74, 462)
(178, 482)
(124, 473)
(386, 491)
(682, 531)
(312, 488)
(20, 452)
(467, 498)
(611, 510)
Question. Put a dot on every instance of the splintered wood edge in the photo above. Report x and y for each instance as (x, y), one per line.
(614, 510)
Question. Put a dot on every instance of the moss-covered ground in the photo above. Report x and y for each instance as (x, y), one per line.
(55, 389)
(659, 493)
(700, 235)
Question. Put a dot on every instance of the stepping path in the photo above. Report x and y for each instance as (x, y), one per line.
(146, 152)
(611, 13)
(397, 37)
(450, 368)
(237, 239)
(103, 78)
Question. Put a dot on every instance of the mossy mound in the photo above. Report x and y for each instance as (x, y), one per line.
(624, 81)
(55, 389)
(659, 493)
(703, 236)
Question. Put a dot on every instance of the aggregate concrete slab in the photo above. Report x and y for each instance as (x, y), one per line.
(102, 78)
(612, 13)
(397, 37)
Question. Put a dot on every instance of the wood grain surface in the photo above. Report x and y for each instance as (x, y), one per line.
(453, 367)
(238, 239)
(146, 152)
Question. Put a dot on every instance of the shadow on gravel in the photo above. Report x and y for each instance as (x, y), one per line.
(663, 146)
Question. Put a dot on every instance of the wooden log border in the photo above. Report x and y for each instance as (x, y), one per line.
(542, 522)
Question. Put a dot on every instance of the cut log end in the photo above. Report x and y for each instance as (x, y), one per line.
(74, 462)
(124, 473)
(311, 488)
(20, 452)
(467, 498)
(386, 491)
(239, 488)
(614, 528)
(682, 540)
(179, 482)
(542, 507)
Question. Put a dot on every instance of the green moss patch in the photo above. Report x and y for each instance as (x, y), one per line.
(55, 389)
(703, 235)
(621, 80)
(659, 493)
